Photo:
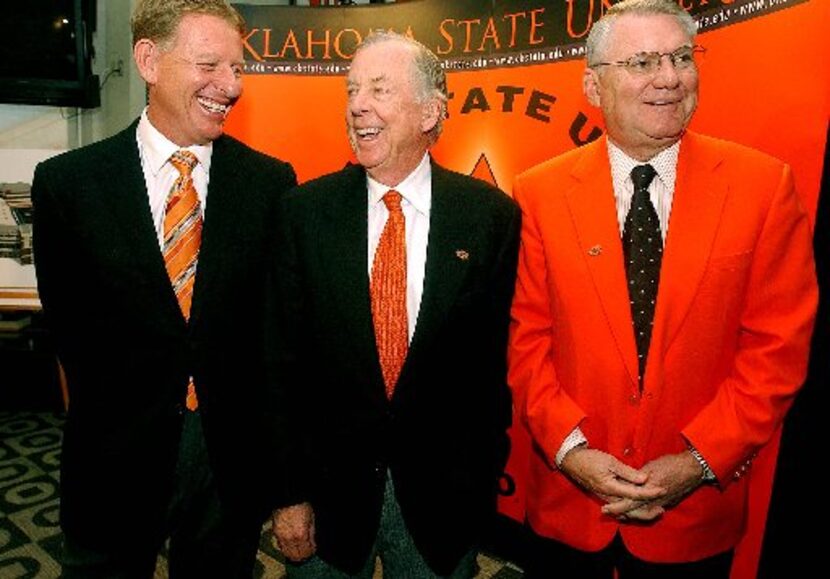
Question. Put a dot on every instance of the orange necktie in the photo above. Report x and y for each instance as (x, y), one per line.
(388, 293)
(182, 237)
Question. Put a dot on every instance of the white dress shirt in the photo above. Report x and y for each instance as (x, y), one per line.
(416, 191)
(661, 189)
(155, 151)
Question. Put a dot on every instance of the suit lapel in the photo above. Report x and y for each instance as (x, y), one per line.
(695, 217)
(125, 192)
(450, 225)
(220, 218)
(592, 206)
(343, 246)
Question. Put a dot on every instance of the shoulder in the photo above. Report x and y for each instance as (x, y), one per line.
(562, 165)
(88, 169)
(79, 161)
(480, 193)
(734, 156)
(238, 153)
(536, 188)
(350, 180)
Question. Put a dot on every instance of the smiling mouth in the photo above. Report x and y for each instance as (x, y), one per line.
(214, 107)
(368, 133)
(664, 103)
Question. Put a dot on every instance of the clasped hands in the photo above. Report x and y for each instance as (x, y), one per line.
(293, 529)
(631, 494)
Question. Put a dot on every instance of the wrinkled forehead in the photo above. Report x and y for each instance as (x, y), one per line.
(388, 60)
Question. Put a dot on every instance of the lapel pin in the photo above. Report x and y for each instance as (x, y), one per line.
(462, 254)
(595, 250)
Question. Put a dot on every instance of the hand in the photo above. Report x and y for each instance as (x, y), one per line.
(679, 474)
(293, 530)
(606, 477)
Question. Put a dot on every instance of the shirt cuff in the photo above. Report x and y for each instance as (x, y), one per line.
(574, 439)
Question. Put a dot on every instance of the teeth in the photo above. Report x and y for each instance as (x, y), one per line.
(213, 106)
(368, 132)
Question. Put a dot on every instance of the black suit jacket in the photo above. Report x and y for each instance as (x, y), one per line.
(125, 346)
(442, 436)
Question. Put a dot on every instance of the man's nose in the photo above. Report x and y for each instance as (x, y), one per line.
(666, 73)
(228, 81)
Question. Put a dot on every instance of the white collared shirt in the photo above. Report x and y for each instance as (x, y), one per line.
(159, 175)
(416, 191)
(661, 190)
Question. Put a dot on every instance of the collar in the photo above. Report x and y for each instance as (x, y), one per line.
(416, 189)
(157, 149)
(664, 163)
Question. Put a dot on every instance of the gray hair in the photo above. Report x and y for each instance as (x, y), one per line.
(598, 37)
(430, 78)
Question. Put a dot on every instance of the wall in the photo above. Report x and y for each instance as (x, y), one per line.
(122, 94)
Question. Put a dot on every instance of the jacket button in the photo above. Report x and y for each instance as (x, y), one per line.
(634, 399)
(628, 451)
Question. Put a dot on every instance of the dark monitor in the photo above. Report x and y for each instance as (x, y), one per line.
(46, 53)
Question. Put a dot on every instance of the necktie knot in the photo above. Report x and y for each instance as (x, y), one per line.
(183, 161)
(392, 200)
(642, 176)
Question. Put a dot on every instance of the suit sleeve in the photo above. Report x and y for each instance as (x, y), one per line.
(549, 413)
(773, 342)
(53, 256)
(503, 283)
(285, 404)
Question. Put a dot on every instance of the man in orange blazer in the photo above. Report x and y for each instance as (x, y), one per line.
(663, 309)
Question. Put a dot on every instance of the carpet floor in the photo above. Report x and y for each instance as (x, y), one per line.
(29, 499)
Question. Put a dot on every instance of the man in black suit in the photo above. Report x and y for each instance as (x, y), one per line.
(139, 463)
(402, 393)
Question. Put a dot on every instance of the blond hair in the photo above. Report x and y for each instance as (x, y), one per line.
(157, 20)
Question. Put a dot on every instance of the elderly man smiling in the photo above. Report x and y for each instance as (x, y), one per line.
(393, 286)
(663, 309)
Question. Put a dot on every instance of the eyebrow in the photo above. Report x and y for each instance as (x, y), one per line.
(374, 80)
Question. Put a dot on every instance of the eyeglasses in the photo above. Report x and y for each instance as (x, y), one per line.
(646, 63)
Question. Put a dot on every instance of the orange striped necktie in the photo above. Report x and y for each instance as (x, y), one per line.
(388, 294)
(182, 238)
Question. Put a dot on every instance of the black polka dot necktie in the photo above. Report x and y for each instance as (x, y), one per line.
(643, 249)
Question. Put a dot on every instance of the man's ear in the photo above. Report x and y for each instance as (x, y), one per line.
(590, 86)
(146, 56)
(430, 115)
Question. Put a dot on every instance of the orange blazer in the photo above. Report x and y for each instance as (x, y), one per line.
(728, 352)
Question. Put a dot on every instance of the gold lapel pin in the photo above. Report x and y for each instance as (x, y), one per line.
(595, 250)
(462, 254)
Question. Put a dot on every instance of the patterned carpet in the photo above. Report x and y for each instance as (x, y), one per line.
(29, 498)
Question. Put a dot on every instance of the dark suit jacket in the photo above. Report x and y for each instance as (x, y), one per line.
(442, 436)
(125, 345)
